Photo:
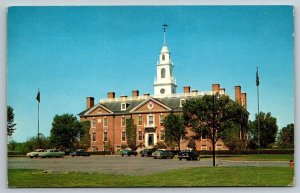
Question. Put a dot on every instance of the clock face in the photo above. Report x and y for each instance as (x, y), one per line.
(162, 91)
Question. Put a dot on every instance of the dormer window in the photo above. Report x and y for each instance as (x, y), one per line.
(123, 106)
(181, 102)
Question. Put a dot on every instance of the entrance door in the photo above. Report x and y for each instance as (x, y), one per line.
(150, 139)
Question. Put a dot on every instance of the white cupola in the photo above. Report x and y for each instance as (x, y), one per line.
(164, 83)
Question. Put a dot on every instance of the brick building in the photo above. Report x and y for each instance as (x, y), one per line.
(108, 117)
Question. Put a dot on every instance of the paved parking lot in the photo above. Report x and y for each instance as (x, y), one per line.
(122, 165)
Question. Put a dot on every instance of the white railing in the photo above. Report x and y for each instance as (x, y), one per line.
(167, 81)
(178, 95)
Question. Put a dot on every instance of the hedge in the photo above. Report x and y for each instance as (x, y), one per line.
(261, 151)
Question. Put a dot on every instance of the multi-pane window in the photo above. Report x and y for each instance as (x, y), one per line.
(123, 122)
(150, 120)
(140, 120)
(105, 122)
(182, 101)
(162, 135)
(161, 119)
(123, 136)
(94, 136)
(93, 123)
(105, 136)
(140, 135)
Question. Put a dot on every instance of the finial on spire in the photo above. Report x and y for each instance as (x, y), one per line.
(165, 27)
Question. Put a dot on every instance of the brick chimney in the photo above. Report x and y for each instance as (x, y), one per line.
(135, 93)
(111, 95)
(215, 87)
(186, 89)
(89, 102)
(244, 100)
(237, 94)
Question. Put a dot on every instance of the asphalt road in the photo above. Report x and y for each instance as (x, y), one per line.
(123, 165)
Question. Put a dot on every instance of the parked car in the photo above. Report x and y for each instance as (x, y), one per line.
(162, 154)
(128, 152)
(146, 152)
(51, 153)
(188, 155)
(34, 153)
(79, 152)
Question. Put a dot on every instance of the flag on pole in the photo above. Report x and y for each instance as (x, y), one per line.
(257, 78)
(38, 97)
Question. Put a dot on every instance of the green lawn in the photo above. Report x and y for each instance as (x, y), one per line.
(202, 176)
(256, 157)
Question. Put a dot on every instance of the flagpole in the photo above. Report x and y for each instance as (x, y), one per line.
(258, 126)
(38, 134)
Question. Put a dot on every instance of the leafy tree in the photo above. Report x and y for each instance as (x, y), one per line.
(108, 146)
(12, 145)
(268, 129)
(84, 141)
(174, 128)
(192, 143)
(10, 121)
(233, 140)
(212, 116)
(65, 131)
(160, 145)
(131, 133)
(286, 137)
(35, 142)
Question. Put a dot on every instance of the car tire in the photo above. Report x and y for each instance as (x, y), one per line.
(180, 159)
(122, 155)
(142, 155)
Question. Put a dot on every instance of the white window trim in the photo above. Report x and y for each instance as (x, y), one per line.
(93, 123)
(148, 123)
(181, 102)
(161, 118)
(122, 136)
(104, 122)
(123, 109)
(141, 120)
(94, 133)
(123, 117)
(104, 136)
(139, 135)
(162, 133)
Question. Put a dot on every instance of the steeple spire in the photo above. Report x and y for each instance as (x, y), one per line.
(165, 27)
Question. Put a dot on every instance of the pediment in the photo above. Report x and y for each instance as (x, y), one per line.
(98, 110)
(151, 105)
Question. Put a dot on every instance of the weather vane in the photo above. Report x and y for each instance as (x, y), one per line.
(165, 27)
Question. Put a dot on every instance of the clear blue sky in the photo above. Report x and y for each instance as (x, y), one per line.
(74, 52)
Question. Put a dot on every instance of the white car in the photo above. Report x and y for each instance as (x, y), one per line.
(34, 153)
(51, 153)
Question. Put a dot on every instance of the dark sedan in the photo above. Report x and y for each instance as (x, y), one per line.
(128, 152)
(146, 152)
(188, 155)
(80, 153)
